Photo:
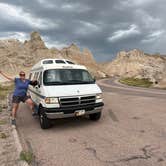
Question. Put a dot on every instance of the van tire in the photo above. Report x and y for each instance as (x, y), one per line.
(45, 123)
(95, 116)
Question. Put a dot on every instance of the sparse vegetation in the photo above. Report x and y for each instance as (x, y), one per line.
(26, 156)
(3, 135)
(2, 122)
(136, 82)
(4, 90)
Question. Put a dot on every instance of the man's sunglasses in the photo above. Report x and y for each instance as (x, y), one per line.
(22, 74)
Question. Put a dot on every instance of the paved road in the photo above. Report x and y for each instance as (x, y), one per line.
(131, 132)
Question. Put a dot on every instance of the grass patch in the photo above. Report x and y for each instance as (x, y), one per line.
(2, 122)
(26, 156)
(3, 135)
(0, 109)
(136, 82)
(4, 90)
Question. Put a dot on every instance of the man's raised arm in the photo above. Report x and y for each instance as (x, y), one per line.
(7, 77)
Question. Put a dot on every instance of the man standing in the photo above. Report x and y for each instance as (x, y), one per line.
(20, 93)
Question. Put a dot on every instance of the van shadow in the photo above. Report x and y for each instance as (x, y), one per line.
(74, 122)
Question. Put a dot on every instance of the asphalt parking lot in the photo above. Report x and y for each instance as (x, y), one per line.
(131, 132)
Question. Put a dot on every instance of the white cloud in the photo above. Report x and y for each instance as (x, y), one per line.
(122, 34)
(148, 21)
(50, 44)
(75, 7)
(87, 28)
(22, 36)
(136, 3)
(46, 4)
(153, 36)
(16, 14)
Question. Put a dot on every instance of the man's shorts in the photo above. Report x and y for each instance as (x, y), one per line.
(18, 99)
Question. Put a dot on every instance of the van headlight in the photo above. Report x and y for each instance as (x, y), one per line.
(98, 96)
(51, 100)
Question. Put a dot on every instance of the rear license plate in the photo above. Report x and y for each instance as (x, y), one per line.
(79, 112)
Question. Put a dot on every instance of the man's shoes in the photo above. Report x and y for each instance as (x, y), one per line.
(34, 113)
(13, 122)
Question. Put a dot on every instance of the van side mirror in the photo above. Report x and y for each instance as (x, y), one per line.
(38, 85)
(94, 79)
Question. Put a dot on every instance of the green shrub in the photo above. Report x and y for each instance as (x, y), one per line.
(0, 108)
(136, 82)
(26, 156)
(2, 122)
(3, 135)
(4, 90)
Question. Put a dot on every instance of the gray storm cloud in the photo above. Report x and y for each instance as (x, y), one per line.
(105, 27)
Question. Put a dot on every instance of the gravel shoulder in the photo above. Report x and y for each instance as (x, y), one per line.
(8, 149)
(10, 145)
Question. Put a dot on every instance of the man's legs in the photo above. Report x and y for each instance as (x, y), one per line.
(14, 113)
(14, 110)
(31, 104)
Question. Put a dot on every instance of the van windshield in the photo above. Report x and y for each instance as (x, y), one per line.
(67, 76)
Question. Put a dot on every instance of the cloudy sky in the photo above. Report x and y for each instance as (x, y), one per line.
(104, 26)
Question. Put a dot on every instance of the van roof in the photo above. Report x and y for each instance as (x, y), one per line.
(56, 63)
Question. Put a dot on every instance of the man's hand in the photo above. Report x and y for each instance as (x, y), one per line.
(34, 82)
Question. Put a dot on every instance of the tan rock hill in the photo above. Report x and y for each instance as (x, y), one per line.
(136, 63)
(16, 56)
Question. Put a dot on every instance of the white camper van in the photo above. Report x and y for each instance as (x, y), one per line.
(64, 90)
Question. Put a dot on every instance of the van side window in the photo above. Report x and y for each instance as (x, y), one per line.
(40, 78)
(36, 75)
(30, 76)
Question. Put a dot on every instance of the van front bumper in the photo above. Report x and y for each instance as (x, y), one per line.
(56, 113)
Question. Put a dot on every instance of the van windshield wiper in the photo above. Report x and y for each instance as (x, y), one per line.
(55, 83)
(69, 82)
(80, 82)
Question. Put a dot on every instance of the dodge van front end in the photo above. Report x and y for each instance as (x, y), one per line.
(74, 106)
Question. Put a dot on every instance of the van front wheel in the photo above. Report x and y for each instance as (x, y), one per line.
(95, 116)
(45, 123)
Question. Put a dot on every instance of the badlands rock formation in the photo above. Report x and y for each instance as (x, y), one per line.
(16, 56)
(136, 63)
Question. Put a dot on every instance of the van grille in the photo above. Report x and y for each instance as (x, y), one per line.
(75, 101)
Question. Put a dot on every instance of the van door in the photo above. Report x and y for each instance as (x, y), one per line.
(38, 88)
(34, 88)
(31, 88)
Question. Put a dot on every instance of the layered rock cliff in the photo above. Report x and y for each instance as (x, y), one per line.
(137, 64)
(16, 56)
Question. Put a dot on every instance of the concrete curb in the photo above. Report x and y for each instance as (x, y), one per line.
(16, 137)
(18, 145)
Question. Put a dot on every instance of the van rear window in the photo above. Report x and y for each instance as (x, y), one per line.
(48, 62)
(59, 61)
